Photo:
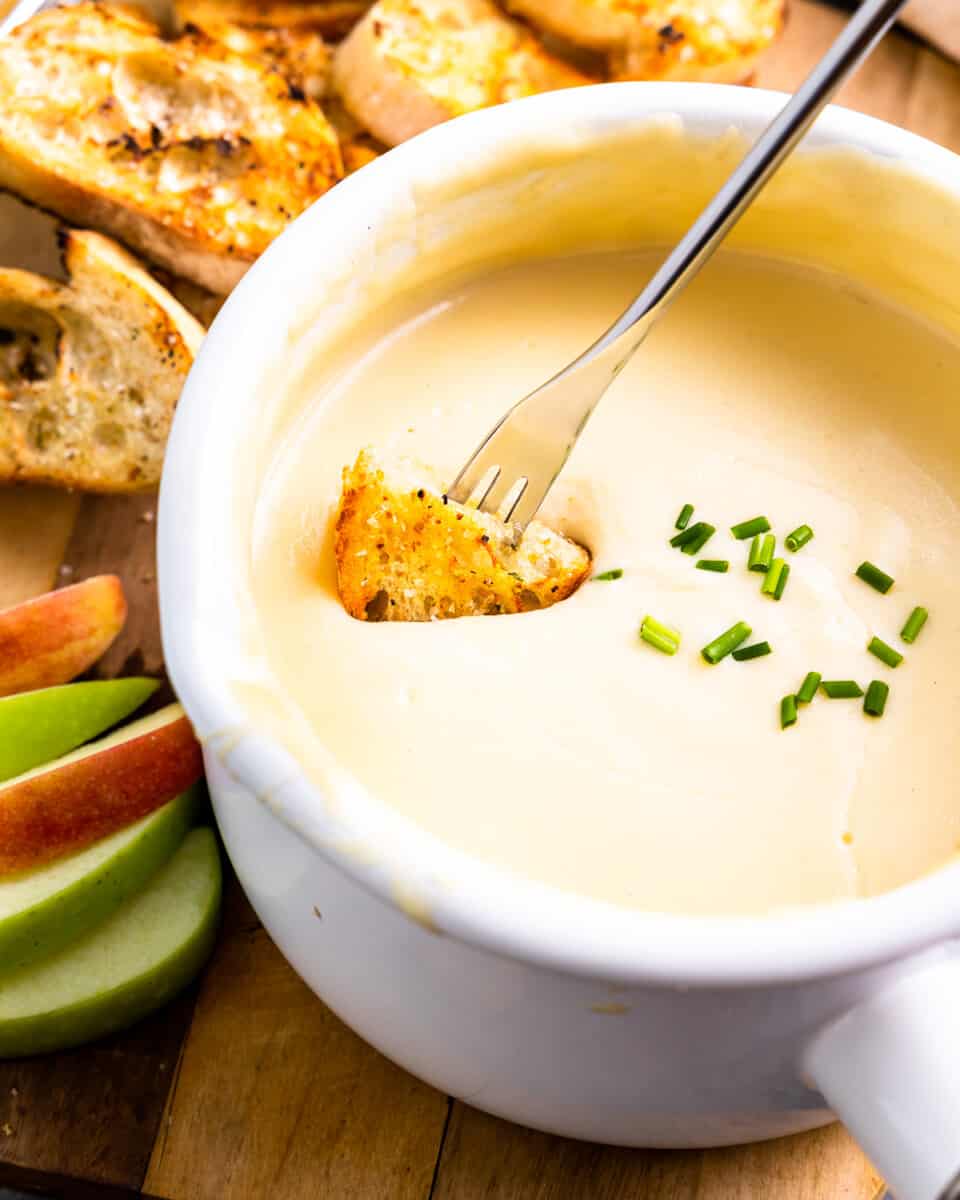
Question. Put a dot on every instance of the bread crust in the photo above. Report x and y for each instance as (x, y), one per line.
(194, 155)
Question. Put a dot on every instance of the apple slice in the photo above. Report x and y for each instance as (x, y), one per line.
(68, 804)
(36, 727)
(42, 911)
(130, 965)
(55, 637)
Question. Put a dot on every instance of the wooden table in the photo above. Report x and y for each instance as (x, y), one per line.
(249, 1087)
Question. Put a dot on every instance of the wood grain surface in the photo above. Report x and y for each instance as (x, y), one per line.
(250, 1087)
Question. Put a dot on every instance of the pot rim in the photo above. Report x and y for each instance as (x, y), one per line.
(445, 889)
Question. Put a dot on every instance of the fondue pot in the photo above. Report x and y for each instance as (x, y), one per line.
(548, 1008)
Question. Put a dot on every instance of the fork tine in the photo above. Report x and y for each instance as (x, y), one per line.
(500, 494)
(473, 475)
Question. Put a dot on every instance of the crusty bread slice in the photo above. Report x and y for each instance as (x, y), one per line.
(406, 553)
(410, 64)
(90, 371)
(664, 39)
(192, 154)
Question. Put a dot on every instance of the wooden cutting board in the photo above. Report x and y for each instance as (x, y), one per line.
(249, 1087)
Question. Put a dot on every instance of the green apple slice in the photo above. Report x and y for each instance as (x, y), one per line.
(44, 910)
(37, 727)
(132, 964)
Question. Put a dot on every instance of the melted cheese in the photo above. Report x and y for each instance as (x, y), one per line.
(555, 743)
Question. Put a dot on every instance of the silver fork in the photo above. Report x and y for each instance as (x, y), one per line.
(515, 466)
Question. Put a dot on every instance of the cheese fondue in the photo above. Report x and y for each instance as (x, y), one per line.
(556, 744)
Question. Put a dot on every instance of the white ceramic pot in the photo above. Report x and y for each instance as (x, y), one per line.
(552, 1010)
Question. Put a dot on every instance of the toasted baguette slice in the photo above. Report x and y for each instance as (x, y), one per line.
(711, 41)
(298, 52)
(410, 64)
(90, 371)
(330, 18)
(406, 553)
(192, 154)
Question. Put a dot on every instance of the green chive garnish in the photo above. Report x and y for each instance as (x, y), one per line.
(705, 533)
(798, 539)
(757, 650)
(808, 689)
(607, 576)
(692, 537)
(719, 565)
(761, 552)
(726, 643)
(915, 622)
(771, 581)
(788, 711)
(875, 700)
(875, 577)
(886, 654)
(749, 528)
(841, 689)
(660, 636)
(782, 581)
(683, 520)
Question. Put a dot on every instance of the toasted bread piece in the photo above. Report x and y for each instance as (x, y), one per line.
(715, 41)
(298, 53)
(187, 151)
(410, 64)
(406, 553)
(332, 19)
(90, 371)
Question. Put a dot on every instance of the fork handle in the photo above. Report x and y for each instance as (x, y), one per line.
(860, 35)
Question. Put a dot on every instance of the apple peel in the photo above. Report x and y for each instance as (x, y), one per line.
(67, 805)
(55, 637)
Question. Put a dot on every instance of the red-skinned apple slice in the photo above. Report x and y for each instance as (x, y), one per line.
(54, 638)
(68, 804)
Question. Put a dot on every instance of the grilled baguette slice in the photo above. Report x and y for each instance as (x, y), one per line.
(187, 151)
(714, 41)
(410, 64)
(90, 371)
(405, 553)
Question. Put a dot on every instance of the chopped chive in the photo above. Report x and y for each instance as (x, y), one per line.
(704, 535)
(915, 622)
(875, 700)
(761, 552)
(788, 711)
(782, 581)
(886, 654)
(683, 520)
(808, 689)
(772, 578)
(798, 539)
(660, 636)
(748, 528)
(875, 577)
(687, 536)
(757, 650)
(720, 565)
(841, 689)
(726, 643)
(607, 576)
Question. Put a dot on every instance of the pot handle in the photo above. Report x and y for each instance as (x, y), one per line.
(890, 1069)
